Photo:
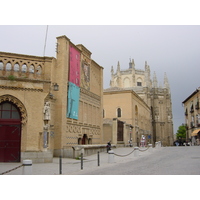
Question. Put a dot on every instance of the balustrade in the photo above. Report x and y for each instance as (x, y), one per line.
(18, 68)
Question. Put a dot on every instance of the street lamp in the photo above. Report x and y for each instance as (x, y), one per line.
(55, 86)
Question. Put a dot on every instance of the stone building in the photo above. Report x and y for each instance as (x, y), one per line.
(156, 99)
(192, 114)
(48, 105)
(125, 106)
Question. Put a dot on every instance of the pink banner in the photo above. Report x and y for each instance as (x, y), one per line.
(74, 71)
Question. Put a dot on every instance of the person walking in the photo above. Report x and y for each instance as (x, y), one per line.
(108, 146)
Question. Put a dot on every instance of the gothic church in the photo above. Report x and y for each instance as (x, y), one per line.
(158, 98)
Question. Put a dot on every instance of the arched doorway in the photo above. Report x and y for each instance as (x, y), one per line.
(85, 139)
(10, 132)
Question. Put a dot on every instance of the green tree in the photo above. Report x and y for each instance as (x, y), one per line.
(181, 132)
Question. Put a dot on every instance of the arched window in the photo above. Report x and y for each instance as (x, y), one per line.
(24, 68)
(31, 69)
(79, 140)
(16, 67)
(119, 112)
(139, 82)
(127, 82)
(9, 111)
(8, 66)
(186, 112)
(192, 109)
(39, 70)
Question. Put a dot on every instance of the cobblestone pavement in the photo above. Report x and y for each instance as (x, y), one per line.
(162, 161)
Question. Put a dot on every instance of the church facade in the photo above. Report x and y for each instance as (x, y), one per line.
(156, 99)
(48, 105)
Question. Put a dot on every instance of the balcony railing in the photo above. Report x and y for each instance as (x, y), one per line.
(19, 66)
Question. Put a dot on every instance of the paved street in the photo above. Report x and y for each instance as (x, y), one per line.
(162, 161)
(165, 161)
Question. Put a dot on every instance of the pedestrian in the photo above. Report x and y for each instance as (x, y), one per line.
(130, 142)
(142, 141)
(108, 146)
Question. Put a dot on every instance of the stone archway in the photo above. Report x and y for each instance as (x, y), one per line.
(19, 105)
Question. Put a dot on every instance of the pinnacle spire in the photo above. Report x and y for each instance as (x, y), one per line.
(166, 83)
(155, 82)
(131, 64)
(112, 70)
(118, 67)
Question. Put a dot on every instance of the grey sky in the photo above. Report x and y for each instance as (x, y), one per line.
(171, 49)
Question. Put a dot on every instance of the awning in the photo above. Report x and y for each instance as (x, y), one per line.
(195, 132)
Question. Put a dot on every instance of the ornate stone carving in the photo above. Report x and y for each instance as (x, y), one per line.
(73, 129)
(18, 88)
(85, 76)
(46, 111)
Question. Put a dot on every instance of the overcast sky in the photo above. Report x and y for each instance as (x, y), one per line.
(171, 49)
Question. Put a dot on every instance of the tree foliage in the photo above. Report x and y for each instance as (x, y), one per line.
(181, 132)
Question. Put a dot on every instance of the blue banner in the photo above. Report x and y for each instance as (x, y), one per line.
(73, 101)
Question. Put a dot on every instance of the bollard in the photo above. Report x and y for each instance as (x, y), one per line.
(60, 165)
(150, 147)
(160, 144)
(110, 156)
(98, 159)
(156, 145)
(81, 160)
(136, 151)
(27, 167)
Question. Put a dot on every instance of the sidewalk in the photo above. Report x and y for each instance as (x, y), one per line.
(73, 166)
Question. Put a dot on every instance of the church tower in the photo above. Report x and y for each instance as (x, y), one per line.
(158, 98)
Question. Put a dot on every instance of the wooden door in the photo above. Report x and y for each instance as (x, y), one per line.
(120, 131)
(84, 139)
(10, 133)
(10, 139)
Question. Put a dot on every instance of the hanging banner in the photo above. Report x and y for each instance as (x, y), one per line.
(73, 101)
(74, 70)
